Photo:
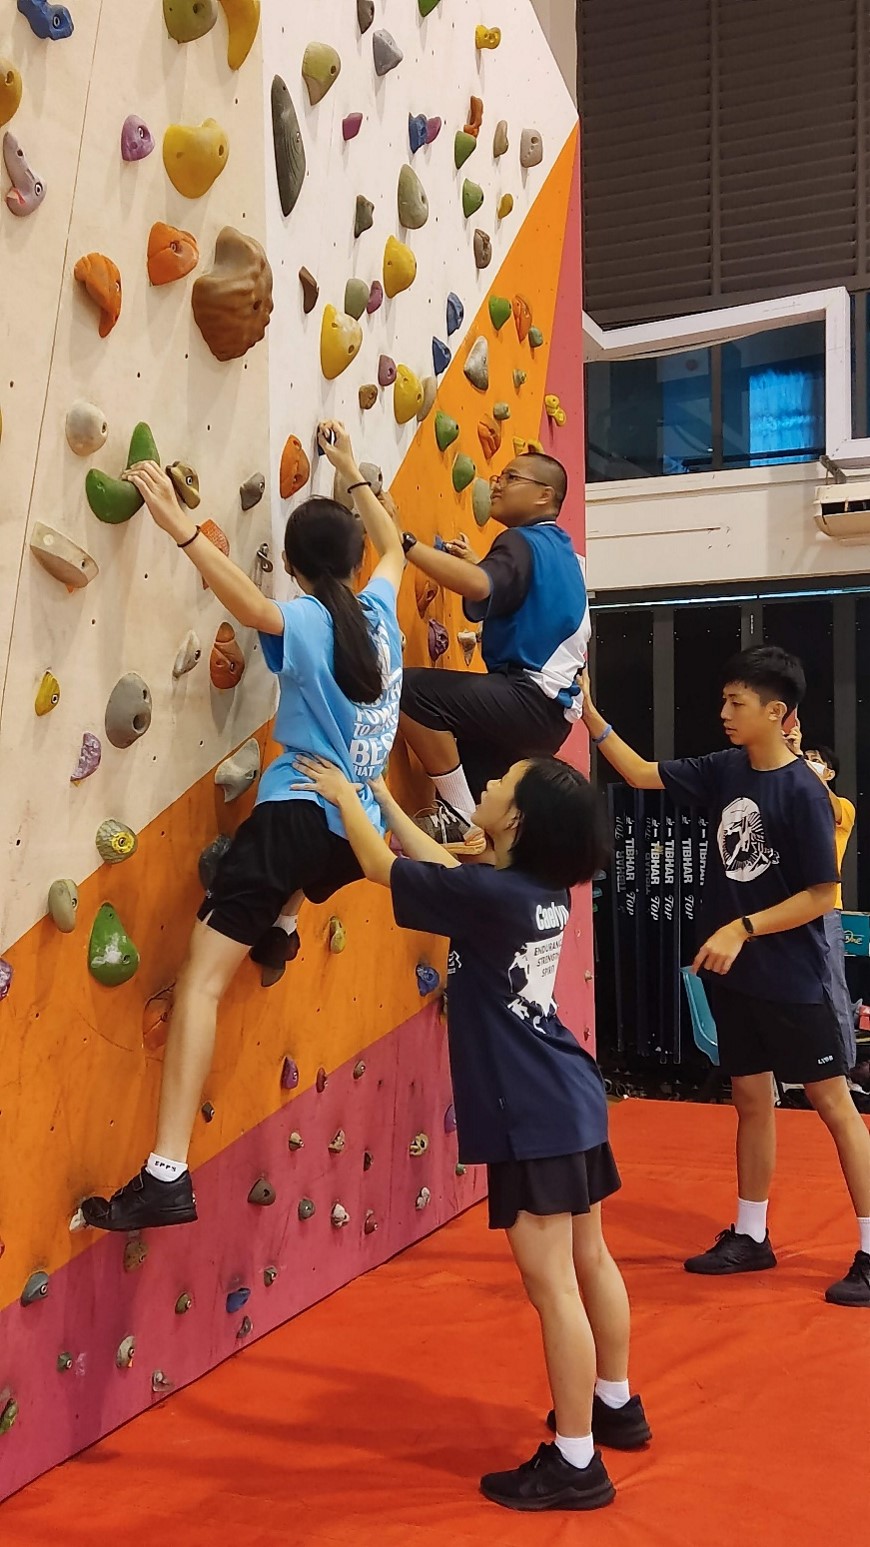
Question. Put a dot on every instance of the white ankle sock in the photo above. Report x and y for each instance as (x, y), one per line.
(165, 1170)
(287, 922)
(613, 1393)
(453, 787)
(752, 1219)
(864, 1233)
(579, 1453)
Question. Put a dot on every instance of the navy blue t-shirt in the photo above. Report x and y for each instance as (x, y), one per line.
(771, 835)
(523, 1087)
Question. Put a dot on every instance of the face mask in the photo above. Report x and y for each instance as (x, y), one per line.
(818, 768)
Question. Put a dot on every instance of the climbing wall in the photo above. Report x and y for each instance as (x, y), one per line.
(134, 127)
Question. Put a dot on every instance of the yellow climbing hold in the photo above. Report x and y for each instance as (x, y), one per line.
(505, 205)
(407, 395)
(48, 694)
(340, 342)
(243, 20)
(487, 37)
(10, 90)
(195, 157)
(400, 267)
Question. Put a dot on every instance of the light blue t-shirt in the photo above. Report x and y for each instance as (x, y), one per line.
(314, 716)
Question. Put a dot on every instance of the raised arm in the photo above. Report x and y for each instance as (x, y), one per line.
(462, 576)
(634, 769)
(335, 443)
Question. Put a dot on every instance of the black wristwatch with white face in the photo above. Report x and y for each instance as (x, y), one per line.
(408, 542)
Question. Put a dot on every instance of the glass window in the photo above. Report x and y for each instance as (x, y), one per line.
(773, 397)
(649, 417)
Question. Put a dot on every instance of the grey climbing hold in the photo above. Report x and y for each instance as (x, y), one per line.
(238, 773)
(210, 859)
(289, 146)
(477, 365)
(412, 201)
(128, 712)
(62, 558)
(339, 1143)
(86, 428)
(373, 476)
(63, 901)
(306, 1208)
(6, 975)
(423, 1197)
(386, 51)
(519, 378)
(189, 654)
(364, 217)
(356, 295)
(365, 14)
(536, 338)
(64, 1363)
(359, 1069)
(482, 249)
(126, 1353)
(295, 1141)
(531, 148)
(36, 1288)
(501, 411)
(339, 1216)
(481, 501)
(252, 490)
(245, 1329)
(321, 67)
(262, 1194)
(430, 391)
(500, 141)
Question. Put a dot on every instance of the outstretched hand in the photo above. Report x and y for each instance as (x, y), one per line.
(334, 441)
(461, 548)
(325, 778)
(158, 492)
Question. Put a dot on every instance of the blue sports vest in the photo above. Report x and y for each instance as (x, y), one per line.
(548, 635)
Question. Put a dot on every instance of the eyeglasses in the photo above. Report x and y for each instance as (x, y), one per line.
(509, 476)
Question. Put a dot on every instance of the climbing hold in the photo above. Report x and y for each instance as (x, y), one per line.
(269, 1277)
(464, 472)
(6, 975)
(412, 201)
(340, 342)
(189, 654)
(500, 141)
(295, 1141)
(455, 313)
(400, 267)
(407, 395)
(217, 537)
(172, 253)
(227, 663)
(10, 90)
(501, 411)
(489, 435)
(295, 467)
(423, 1197)
(262, 1194)
(114, 500)
(126, 1353)
(482, 249)
(373, 476)
(238, 773)
(519, 378)
(338, 1144)
(433, 129)
(232, 304)
(365, 14)
(183, 1304)
(364, 216)
(339, 1216)
(187, 20)
(289, 1074)
(86, 428)
(47, 694)
(370, 1223)
(112, 957)
(36, 1288)
(351, 125)
(475, 117)
(306, 1209)
(481, 501)
(560, 417)
(426, 7)
(459, 1169)
(376, 297)
(128, 712)
(289, 146)
(185, 482)
(531, 148)
(46, 20)
(505, 205)
(337, 936)
(418, 1146)
(63, 900)
(356, 296)
(428, 980)
(321, 1081)
(450, 1119)
(252, 490)
(115, 842)
(88, 759)
(522, 318)
(207, 1112)
(499, 311)
(446, 430)
(536, 338)
(487, 37)
(386, 371)
(236, 1299)
(438, 640)
(359, 1069)
(245, 1329)
(472, 198)
(417, 131)
(386, 51)
(135, 1253)
(476, 367)
(64, 1363)
(468, 639)
(552, 405)
(321, 67)
(28, 190)
(425, 592)
(243, 21)
(368, 1160)
(430, 390)
(102, 280)
(194, 156)
(464, 145)
(368, 396)
(62, 558)
(310, 290)
(155, 1019)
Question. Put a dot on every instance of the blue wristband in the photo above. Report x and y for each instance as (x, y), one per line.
(597, 740)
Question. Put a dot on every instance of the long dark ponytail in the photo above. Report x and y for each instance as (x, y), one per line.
(325, 543)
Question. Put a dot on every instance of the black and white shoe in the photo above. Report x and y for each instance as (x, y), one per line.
(854, 1289)
(143, 1204)
(455, 833)
(274, 949)
(616, 1428)
(548, 1481)
(733, 1253)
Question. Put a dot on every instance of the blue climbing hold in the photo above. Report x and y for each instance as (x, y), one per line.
(441, 355)
(236, 1299)
(455, 313)
(47, 21)
(417, 131)
(428, 980)
(439, 543)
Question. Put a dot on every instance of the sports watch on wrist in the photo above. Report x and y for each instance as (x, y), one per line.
(408, 542)
(748, 926)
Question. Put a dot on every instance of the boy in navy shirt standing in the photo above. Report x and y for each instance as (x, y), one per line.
(771, 877)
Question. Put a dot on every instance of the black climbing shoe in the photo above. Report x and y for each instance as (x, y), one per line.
(548, 1481)
(143, 1204)
(733, 1253)
(273, 951)
(616, 1428)
(854, 1289)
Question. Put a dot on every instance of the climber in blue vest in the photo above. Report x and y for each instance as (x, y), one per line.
(529, 595)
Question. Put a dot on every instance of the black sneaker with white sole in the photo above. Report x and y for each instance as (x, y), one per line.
(273, 951)
(854, 1289)
(456, 835)
(548, 1481)
(733, 1253)
(143, 1204)
(616, 1428)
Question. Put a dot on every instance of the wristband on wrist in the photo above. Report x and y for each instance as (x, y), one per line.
(190, 539)
(363, 484)
(597, 740)
(749, 927)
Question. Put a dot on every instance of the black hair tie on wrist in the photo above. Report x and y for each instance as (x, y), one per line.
(363, 484)
(190, 539)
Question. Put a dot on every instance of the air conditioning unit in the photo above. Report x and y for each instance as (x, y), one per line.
(843, 509)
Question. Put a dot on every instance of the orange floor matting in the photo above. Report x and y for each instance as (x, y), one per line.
(369, 1419)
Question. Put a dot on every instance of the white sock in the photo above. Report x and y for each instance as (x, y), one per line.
(579, 1453)
(613, 1393)
(165, 1170)
(287, 922)
(453, 787)
(752, 1219)
(864, 1233)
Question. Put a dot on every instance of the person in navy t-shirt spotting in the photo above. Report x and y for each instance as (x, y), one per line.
(530, 1102)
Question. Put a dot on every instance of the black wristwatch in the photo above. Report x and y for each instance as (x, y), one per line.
(748, 926)
(408, 542)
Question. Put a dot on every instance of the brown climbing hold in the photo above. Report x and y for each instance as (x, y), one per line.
(522, 317)
(425, 591)
(269, 1277)
(183, 1304)
(295, 467)
(365, 14)
(489, 435)
(62, 558)
(172, 253)
(370, 1224)
(245, 1330)
(262, 1194)
(290, 162)
(135, 1253)
(185, 482)
(531, 148)
(368, 396)
(155, 1020)
(207, 1112)
(310, 290)
(337, 936)
(364, 215)
(368, 1160)
(321, 67)
(64, 1362)
(10, 91)
(482, 249)
(500, 141)
(419, 1145)
(232, 304)
(194, 156)
(218, 538)
(359, 1069)
(475, 117)
(227, 664)
(102, 280)
(321, 1081)
(339, 1143)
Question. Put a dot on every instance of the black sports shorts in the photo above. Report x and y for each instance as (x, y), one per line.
(563, 1184)
(799, 1043)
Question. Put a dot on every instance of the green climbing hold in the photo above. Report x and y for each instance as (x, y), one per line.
(464, 472)
(8, 1414)
(112, 956)
(446, 431)
(464, 146)
(426, 7)
(111, 499)
(187, 20)
(536, 338)
(364, 218)
(412, 200)
(472, 198)
(356, 294)
(321, 67)
(499, 311)
(481, 501)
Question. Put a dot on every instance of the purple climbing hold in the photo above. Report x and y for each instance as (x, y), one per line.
(89, 759)
(386, 371)
(5, 977)
(439, 640)
(450, 1119)
(427, 980)
(376, 297)
(417, 127)
(455, 313)
(433, 129)
(351, 126)
(289, 1075)
(441, 356)
(236, 1299)
(322, 1080)
(137, 141)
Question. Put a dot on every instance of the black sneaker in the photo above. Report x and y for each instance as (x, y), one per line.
(733, 1253)
(854, 1289)
(456, 835)
(273, 951)
(548, 1481)
(616, 1428)
(143, 1204)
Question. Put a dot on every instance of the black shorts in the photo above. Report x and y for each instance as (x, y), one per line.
(799, 1043)
(565, 1184)
(497, 717)
(285, 846)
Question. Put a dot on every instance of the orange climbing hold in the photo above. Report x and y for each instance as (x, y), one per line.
(172, 253)
(227, 664)
(295, 467)
(475, 117)
(522, 317)
(216, 535)
(489, 435)
(102, 280)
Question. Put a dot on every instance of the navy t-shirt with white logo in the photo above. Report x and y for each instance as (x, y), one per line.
(771, 835)
(523, 1087)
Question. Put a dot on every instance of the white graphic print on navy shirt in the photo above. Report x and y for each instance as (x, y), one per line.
(745, 851)
(533, 970)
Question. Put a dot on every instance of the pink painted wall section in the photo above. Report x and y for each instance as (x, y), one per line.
(93, 1304)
